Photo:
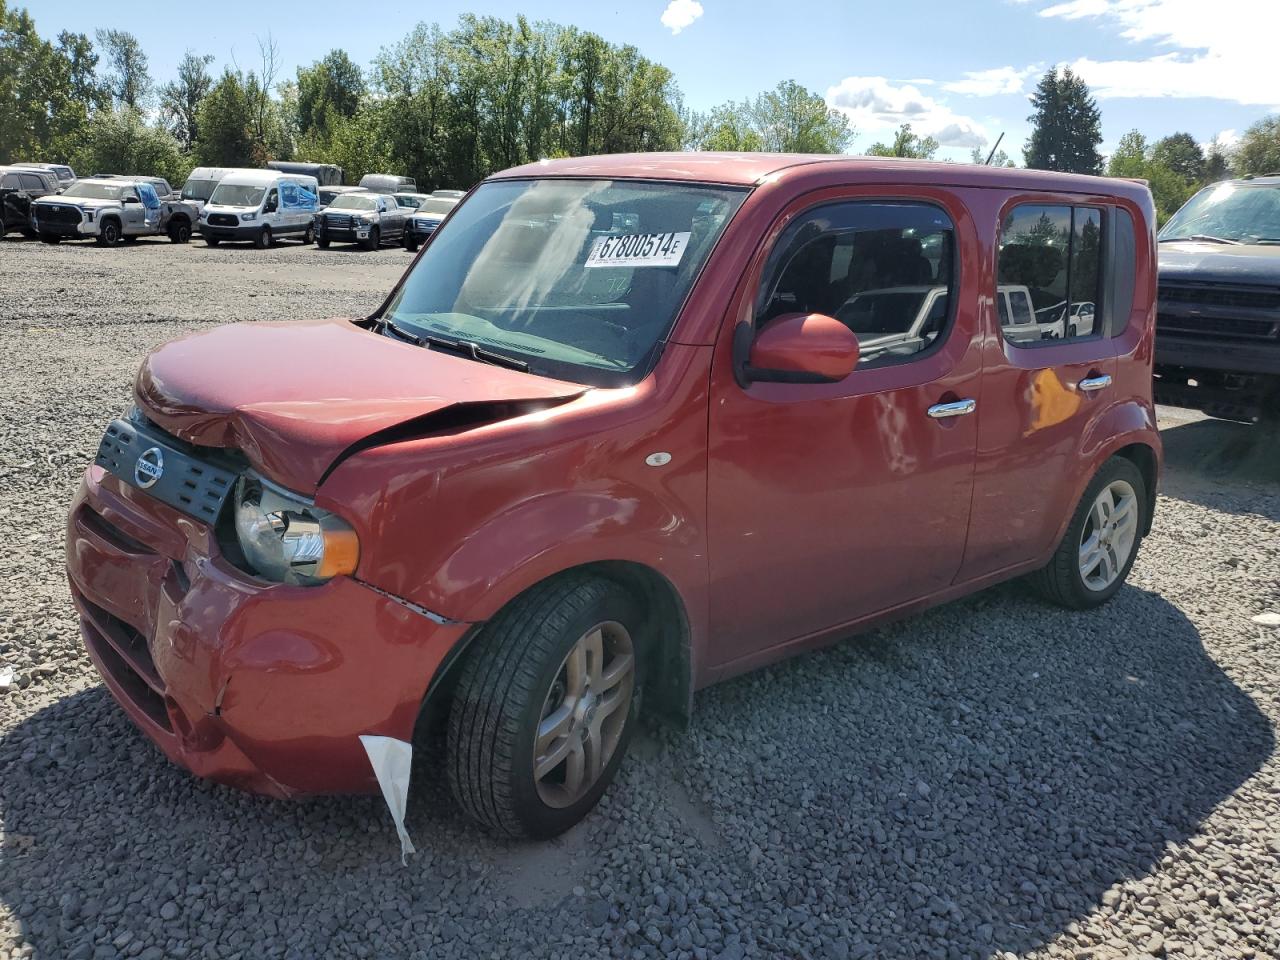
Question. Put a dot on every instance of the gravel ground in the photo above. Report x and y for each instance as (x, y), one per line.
(993, 779)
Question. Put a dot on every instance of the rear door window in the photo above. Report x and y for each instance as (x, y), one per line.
(1050, 269)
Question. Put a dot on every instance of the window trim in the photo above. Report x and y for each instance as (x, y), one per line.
(1101, 329)
(769, 269)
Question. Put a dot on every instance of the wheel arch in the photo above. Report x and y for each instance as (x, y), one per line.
(668, 666)
(1143, 456)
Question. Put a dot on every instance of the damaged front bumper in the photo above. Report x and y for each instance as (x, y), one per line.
(266, 687)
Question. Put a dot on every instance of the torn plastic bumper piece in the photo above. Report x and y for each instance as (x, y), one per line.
(266, 687)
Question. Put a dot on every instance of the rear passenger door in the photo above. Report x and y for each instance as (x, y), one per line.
(1044, 386)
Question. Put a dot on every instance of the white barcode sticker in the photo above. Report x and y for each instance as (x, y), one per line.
(638, 250)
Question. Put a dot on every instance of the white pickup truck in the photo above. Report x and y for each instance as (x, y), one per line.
(113, 208)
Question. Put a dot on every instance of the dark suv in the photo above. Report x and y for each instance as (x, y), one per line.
(18, 187)
(1218, 326)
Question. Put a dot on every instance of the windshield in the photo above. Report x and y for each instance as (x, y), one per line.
(199, 189)
(1240, 212)
(94, 191)
(353, 201)
(580, 278)
(235, 195)
(437, 207)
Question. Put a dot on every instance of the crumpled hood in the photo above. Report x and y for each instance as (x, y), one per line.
(294, 397)
(1219, 263)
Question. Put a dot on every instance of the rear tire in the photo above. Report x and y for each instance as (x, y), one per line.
(109, 233)
(1097, 551)
(180, 231)
(551, 685)
(309, 237)
(263, 240)
(373, 240)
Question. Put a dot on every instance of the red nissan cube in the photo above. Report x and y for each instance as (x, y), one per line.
(629, 425)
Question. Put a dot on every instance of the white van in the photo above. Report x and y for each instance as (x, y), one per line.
(260, 205)
(202, 181)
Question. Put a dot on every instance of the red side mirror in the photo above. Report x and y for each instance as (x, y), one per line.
(803, 348)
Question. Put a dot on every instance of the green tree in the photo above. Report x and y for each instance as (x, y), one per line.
(999, 159)
(334, 85)
(225, 118)
(1182, 154)
(120, 141)
(127, 79)
(81, 64)
(786, 119)
(1217, 162)
(1066, 127)
(906, 144)
(180, 98)
(1258, 151)
(1135, 159)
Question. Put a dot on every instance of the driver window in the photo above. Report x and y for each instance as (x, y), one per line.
(884, 270)
(273, 202)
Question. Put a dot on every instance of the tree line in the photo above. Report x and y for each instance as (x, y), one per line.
(448, 107)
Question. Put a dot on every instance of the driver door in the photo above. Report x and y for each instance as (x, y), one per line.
(831, 502)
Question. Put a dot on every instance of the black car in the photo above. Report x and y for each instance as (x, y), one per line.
(1218, 315)
(427, 214)
(18, 187)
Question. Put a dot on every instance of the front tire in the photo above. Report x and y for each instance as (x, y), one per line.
(263, 239)
(309, 237)
(373, 240)
(212, 241)
(109, 233)
(1101, 542)
(322, 241)
(410, 243)
(546, 704)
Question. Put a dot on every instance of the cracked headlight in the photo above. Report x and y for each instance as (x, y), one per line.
(289, 540)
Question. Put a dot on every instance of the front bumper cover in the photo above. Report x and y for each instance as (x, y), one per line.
(266, 687)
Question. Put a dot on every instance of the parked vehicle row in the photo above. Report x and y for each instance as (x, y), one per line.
(20, 187)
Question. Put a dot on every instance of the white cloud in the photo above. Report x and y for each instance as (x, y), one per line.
(680, 14)
(1224, 52)
(989, 83)
(877, 106)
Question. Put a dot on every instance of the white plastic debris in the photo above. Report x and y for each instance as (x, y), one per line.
(391, 760)
(6, 678)
(1268, 619)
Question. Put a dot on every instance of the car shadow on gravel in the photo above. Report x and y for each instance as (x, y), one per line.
(1203, 456)
(969, 781)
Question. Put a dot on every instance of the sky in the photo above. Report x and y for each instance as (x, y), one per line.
(957, 70)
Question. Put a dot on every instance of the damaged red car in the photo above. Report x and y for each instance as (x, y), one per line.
(628, 426)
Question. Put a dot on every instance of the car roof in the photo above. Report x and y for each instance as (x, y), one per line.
(343, 188)
(750, 169)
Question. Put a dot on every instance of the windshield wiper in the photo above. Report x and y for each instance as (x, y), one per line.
(1205, 237)
(402, 333)
(473, 350)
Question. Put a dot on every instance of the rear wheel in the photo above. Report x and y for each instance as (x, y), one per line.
(310, 236)
(263, 239)
(373, 240)
(180, 231)
(1101, 542)
(545, 707)
(109, 233)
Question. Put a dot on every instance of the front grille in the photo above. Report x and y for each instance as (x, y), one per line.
(1218, 296)
(124, 654)
(180, 478)
(1232, 327)
(338, 221)
(425, 226)
(59, 215)
(223, 220)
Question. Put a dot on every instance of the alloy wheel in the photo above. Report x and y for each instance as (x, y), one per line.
(1109, 534)
(584, 714)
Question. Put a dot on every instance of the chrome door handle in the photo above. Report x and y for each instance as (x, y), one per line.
(1095, 383)
(957, 408)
